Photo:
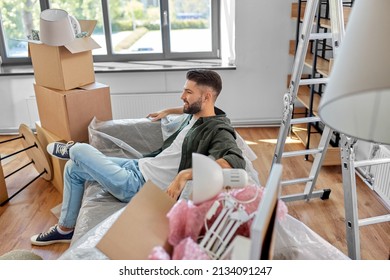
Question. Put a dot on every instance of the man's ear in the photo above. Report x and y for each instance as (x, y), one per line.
(209, 96)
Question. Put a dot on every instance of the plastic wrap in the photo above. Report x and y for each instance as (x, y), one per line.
(293, 241)
(128, 138)
(84, 247)
(131, 138)
(97, 205)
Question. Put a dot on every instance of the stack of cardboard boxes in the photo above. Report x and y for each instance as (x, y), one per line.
(68, 97)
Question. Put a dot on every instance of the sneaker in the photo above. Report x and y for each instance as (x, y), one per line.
(60, 150)
(51, 237)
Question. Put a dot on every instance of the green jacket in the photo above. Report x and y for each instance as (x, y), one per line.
(210, 136)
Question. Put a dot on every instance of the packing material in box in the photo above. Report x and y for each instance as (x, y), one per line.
(45, 137)
(67, 114)
(142, 225)
(65, 67)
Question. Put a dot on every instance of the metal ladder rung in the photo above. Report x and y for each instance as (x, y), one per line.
(305, 120)
(297, 181)
(374, 220)
(317, 81)
(320, 36)
(371, 162)
(304, 196)
(309, 31)
(302, 152)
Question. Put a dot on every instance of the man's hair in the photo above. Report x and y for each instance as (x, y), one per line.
(206, 77)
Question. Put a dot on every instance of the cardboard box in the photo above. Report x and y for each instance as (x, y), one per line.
(67, 114)
(142, 225)
(45, 137)
(65, 67)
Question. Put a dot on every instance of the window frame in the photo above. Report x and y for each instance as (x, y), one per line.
(113, 57)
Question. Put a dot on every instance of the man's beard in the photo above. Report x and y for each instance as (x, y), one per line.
(193, 108)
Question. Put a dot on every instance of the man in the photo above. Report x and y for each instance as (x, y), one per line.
(208, 132)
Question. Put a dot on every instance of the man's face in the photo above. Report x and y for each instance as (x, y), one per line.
(192, 97)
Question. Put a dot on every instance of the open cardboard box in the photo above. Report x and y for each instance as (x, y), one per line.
(65, 67)
(67, 114)
(142, 225)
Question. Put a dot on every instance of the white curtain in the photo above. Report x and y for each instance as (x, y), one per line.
(228, 30)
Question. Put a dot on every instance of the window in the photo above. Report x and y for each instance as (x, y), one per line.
(17, 19)
(126, 29)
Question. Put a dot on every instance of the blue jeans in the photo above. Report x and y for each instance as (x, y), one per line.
(119, 176)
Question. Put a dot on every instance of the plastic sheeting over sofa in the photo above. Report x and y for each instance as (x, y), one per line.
(133, 137)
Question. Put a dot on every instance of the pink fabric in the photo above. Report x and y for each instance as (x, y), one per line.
(188, 249)
(159, 253)
(187, 222)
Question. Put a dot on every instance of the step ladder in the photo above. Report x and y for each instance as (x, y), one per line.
(352, 221)
(306, 34)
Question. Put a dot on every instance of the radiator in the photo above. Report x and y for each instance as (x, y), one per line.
(381, 174)
(129, 106)
(124, 106)
(32, 110)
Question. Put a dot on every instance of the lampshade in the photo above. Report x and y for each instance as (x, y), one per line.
(356, 100)
(209, 178)
(56, 28)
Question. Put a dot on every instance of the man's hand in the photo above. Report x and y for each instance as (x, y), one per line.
(175, 188)
(223, 163)
(163, 113)
(157, 116)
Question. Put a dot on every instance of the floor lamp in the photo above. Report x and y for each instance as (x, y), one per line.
(356, 101)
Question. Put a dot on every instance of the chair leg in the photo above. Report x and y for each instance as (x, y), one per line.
(3, 187)
(35, 152)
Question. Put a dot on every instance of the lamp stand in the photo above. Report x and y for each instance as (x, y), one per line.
(352, 221)
(222, 231)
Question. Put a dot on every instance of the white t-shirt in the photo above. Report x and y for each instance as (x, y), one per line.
(162, 169)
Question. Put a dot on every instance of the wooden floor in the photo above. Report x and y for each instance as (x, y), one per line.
(30, 211)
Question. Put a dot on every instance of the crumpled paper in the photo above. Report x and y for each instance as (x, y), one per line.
(34, 36)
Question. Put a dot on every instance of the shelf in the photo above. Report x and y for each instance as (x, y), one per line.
(332, 156)
(323, 65)
(304, 97)
(325, 23)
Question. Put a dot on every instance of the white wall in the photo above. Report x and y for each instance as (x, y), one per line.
(14, 92)
(252, 94)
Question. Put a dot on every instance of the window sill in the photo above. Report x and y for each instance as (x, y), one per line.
(134, 66)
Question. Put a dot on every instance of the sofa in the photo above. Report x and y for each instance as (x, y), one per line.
(132, 138)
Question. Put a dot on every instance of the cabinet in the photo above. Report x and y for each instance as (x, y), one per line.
(318, 64)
